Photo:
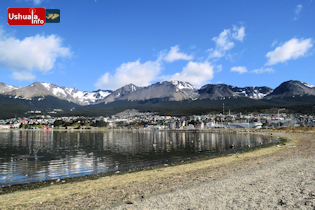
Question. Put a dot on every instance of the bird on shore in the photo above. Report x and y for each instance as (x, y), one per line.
(232, 146)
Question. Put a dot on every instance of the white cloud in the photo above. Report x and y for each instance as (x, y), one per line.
(140, 74)
(274, 43)
(194, 73)
(298, 11)
(239, 33)
(24, 75)
(263, 70)
(37, 53)
(174, 55)
(292, 49)
(219, 68)
(224, 41)
(239, 69)
(36, 2)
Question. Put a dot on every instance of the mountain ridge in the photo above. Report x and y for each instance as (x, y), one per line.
(160, 91)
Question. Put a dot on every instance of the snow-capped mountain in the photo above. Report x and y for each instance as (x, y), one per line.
(76, 96)
(251, 92)
(162, 91)
(166, 90)
(292, 88)
(119, 93)
(40, 90)
(6, 88)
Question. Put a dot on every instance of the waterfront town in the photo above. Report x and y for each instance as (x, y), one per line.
(135, 120)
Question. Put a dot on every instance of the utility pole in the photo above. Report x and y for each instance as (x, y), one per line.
(223, 108)
(279, 117)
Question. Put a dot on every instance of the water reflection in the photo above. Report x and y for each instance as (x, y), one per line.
(29, 156)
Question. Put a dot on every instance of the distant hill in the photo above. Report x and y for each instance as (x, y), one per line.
(292, 88)
(164, 94)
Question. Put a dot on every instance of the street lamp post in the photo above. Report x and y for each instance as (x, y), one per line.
(279, 117)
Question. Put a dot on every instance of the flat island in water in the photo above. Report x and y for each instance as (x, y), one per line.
(39, 155)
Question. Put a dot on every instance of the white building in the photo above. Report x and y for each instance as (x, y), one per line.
(255, 125)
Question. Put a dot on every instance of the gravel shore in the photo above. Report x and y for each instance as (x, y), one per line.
(282, 181)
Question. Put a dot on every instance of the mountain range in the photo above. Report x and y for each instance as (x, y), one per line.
(49, 96)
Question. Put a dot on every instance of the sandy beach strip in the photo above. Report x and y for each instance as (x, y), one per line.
(267, 178)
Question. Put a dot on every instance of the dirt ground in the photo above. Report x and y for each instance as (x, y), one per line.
(277, 177)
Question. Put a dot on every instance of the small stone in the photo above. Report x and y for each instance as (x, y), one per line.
(131, 202)
(165, 164)
(308, 203)
(281, 203)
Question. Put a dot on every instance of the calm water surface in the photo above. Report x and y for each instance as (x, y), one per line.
(32, 156)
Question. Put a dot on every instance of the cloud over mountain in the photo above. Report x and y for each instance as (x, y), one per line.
(174, 55)
(35, 53)
(292, 49)
(239, 69)
(140, 74)
(224, 41)
(195, 73)
(263, 70)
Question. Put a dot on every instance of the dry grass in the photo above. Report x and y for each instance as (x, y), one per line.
(296, 129)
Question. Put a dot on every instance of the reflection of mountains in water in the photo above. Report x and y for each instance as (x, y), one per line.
(33, 143)
(122, 142)
(40, 155)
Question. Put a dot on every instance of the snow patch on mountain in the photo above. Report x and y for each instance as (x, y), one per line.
(251, 92)
(307, 85)
(182, 85)
(74, 95)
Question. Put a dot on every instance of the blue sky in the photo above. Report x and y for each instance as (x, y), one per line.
(107, 44)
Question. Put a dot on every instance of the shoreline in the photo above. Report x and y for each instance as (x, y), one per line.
(9, 188)
(113, 189)
(208, 130)
(45, 183)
